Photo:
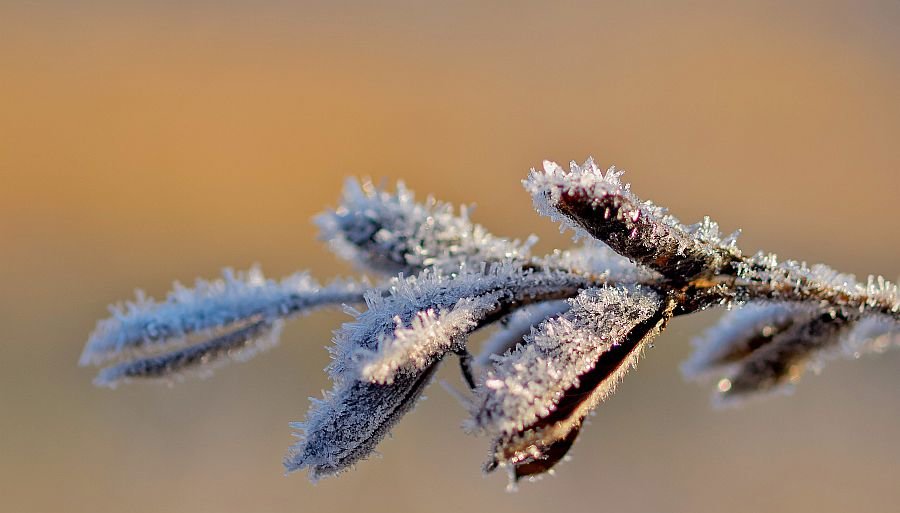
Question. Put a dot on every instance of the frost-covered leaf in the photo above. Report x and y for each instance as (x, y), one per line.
(780, 363)
(597, 204)
(392, 233)
(487, 294)
(144, 327)
(742, 331)
(198, 359)
(349, 422)
(535, 396)
(431, 334)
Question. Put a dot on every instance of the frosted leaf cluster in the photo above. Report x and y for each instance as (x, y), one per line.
(567, 325)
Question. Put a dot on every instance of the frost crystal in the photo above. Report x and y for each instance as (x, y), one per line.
(571, 323)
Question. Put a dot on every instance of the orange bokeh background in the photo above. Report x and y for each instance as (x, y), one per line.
(142, 142)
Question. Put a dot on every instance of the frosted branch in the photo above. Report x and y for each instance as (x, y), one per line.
(572, 322)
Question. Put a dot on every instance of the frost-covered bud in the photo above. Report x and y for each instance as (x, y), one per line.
(780, 363)
(599, 205)
(392, 233)
(199, 359)
(349, 422)
(536, 396)
(145, 326)
(742, 331)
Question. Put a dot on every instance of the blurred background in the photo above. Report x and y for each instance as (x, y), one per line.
(143, 142)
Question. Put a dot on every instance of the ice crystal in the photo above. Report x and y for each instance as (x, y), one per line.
(570, 323)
